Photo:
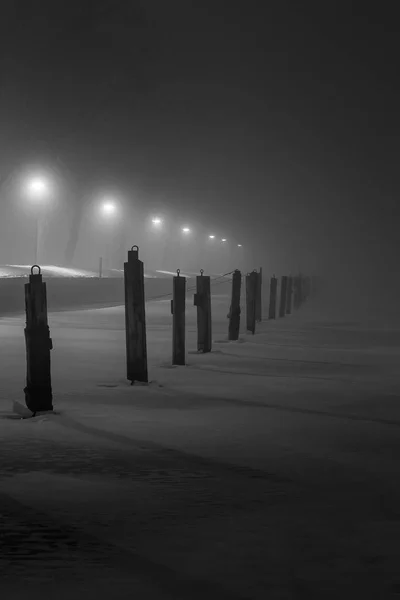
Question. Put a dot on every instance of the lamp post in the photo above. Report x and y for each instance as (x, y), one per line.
(37, 191)
(109, 211)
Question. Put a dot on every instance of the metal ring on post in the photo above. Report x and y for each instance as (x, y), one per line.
(137, 248)
(201, 272)
(37, 266)
(178, 272)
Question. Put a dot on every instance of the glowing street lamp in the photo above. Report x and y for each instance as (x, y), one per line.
(186, 230)
(239, 245)
(223, 240)
(37, 189)
(110, 211)
(157, 222)
(212, 237)
(108, 208)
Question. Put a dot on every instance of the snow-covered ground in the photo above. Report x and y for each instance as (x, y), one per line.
(266, 469)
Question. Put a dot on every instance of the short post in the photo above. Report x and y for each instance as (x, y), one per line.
(202, 299)
(38, 392)
(178, 307)
(234, 312)
(296, 293)
(135, 319)
(251, 294)
(101, 267)
(301, 290)
(289, 293)
(273, 289)
(259, 297)
(283, 297)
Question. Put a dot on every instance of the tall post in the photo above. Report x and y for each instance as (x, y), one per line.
(251, 293)
(234, 312)
(178, 307)
(101, 267)
(202, 299)
(289, 295)
(283, 298)
(135, 319)
(38, 391)
(259, 297)
(273, 288)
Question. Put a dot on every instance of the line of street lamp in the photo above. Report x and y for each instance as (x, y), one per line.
(38, 189)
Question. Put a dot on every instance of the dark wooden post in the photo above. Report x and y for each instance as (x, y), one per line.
(272, 297)
(135, 319)
(296, 293)
(178, 307)
(38, 392)
(259, 296)
(101, 267)
(251, 294)
(283, 298)
(234, 312)
(301, 290)
(289, 295)
(202, 299)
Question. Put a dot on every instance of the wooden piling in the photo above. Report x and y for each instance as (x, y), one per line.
(38, 390)
(178, 307)
(251, 294)
(234, 312)
(296, 293)
(259, 296)
(289, 293)
(283, 297)
(135, 318)
(273, 289)
(202, 299)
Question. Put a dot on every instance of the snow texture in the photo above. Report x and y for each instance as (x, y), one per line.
(266, 469)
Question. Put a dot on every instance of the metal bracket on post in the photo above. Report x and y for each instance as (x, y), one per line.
(202, 299)
(178, 308)
(135, 318)
(38, 391)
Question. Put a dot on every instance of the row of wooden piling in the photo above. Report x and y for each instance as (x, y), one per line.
(38, 391)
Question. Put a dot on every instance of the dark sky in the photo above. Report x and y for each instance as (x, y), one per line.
(276, 119)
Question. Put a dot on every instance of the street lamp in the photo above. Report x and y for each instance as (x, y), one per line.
(223, 240)
(37, 190)
(186, 230)
(108, 208)
(157, 222)
(211, 237)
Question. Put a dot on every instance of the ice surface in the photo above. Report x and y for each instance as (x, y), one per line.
(266, 469)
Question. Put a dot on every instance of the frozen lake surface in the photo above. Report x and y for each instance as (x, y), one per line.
(266, 469)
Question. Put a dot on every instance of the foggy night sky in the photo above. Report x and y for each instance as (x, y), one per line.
(277, 120)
